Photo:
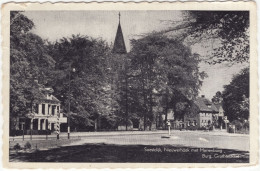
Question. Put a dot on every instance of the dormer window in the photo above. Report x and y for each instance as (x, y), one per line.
(49, 96)
(209, 106)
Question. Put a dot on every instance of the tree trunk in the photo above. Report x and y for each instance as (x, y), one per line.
(145, 110)
(126, 100)
(166, 107)
(151, 109)
(144, 97)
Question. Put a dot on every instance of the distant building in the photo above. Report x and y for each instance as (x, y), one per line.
(43, 116)
(202, 114)
(119, 43)
(220, 115)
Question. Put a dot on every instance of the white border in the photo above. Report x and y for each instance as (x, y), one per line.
(158, 6)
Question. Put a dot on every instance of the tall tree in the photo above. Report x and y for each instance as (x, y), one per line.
(29, 61)
(162, 66)
(230, 29)
(90, 92)
(236, 96)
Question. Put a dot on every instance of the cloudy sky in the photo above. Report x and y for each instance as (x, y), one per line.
(53, 25)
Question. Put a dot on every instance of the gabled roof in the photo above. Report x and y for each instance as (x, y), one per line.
(119, 44)
(54, 99)
(44, 95)
(218, 106)
(203, 104)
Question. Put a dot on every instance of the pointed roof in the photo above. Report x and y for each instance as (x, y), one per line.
(218, 106)
(119, 44)
(204, 104)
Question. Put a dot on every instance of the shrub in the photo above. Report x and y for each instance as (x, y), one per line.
(238, 124)
(202, 128)
(210, 127)
(231, 130)
(246, 125)
(17, 146)
(27, 145)
(192, 127)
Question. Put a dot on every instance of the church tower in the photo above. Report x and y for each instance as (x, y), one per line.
(119, 44)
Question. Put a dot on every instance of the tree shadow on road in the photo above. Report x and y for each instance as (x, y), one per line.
(132, 154)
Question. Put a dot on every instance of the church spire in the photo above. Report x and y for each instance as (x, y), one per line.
(119, 44)
(119, 15)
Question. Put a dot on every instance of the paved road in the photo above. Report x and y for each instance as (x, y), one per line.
(191, 139)
(183, 138)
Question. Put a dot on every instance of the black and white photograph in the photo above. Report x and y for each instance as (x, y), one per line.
(129, 86)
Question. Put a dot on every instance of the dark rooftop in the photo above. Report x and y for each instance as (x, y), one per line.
(205, 105)
(119, 44)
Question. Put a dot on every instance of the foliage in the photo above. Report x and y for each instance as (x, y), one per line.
(27, 145)
(90, 94)
(158, 74)
(29, 61)
(217, 99)
(159, 67)
(237, 123)
(17, 146)
(241, 126)
(229, 28)
(236, 97)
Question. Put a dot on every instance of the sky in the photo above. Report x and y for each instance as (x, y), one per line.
(53, 25)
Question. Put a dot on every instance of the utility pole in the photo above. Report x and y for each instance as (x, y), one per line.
(169, 127)
(23, 130)
(31, 127)
(69, 106)
(73, 70)
(47, 127)
(58, 127)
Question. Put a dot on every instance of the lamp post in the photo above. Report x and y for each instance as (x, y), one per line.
(47, 126)
(169, 127)
(23, 130)
(31, 127)
(73, 70)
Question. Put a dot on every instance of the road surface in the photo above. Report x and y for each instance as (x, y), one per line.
(182, 146)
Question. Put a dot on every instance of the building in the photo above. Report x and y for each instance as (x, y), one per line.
(45, 115)
(119, 43)
(119, 49)
(220, 115)
(202, 114)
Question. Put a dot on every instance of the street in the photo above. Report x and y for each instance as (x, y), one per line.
(185, 138)
(98, 146)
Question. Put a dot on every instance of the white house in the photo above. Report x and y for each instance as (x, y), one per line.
(45, 115)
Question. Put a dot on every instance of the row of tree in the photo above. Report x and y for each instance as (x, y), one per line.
(235, 97)
(158, 73)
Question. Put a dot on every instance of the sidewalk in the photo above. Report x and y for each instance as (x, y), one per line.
(218, 133)
(198, 139)
(90, 134)
(79, 135)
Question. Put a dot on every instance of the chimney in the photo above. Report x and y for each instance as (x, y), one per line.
(203, 96)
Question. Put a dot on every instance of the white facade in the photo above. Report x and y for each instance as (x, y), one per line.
(45, 115)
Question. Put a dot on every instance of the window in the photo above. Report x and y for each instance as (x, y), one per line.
(58, 109)
(43, 109)
(188, 122)
(36, 108)
(53, 110)
(49, 106)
